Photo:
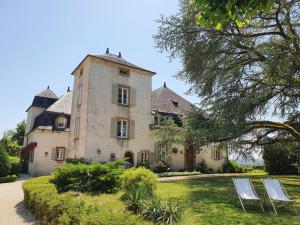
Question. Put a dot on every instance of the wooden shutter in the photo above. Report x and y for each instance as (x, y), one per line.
(132, 129)
(113, 127)
(53, 154)
(132, 96)
(114, 93)
(156, 152)
(151, 157)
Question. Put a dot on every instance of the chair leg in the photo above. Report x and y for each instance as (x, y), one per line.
(261, 206)
(242, 205)
(274, 207)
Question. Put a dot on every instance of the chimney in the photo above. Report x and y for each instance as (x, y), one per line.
(68, 90)
(119, 56)
(48, 87)
(107, 51)
(165, 85)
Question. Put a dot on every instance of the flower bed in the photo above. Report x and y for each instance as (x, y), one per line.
(177, 174)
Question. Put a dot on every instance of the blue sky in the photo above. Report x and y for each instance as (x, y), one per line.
(41, 43)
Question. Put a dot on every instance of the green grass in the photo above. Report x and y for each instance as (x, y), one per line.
(177, 174)
(204, 201)
(211, 201)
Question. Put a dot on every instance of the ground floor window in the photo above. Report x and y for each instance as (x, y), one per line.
(31, 156)
(163, 152)
(145, 157)
(216, 153)
(60, 154)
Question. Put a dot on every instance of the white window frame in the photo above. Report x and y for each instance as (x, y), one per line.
(144, 156)
(122, 128)
(60, 153)
(216, 153)
(77, 128)
(79, 95)
(158, 122)
(123, 95)
(61, 121)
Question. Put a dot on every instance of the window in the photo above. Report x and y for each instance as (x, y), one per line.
(61, 122)
(112, 156)
(216, 153)
(122, 128)
(79, 95)
(31, 156)
(144, 157)
(123, 95)
(124, 72)
(163, 152)
(60, 154)
(175, 103)
(156, 120)
(77, 128)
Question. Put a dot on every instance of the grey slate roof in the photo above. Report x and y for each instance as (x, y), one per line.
(63, 104)
(167, 101)
(46, 120)
(48, 93)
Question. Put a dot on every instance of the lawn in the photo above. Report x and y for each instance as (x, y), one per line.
(211, 201)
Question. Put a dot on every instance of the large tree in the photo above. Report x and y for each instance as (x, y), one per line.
(248, 76)
(12, 140)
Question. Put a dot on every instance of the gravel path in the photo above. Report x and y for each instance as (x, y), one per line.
(12, 209)
(200, 176)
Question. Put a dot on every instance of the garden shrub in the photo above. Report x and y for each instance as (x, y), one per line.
(278, 158)
(139, 178)
(162, 212)
(4, 163)
(161, 167)
(77, 161)
(95, 177)
(176, 174)
(202, 167)
(8, 179)
(135, 198)
(15, 165)
(233, 167)
(49, 207)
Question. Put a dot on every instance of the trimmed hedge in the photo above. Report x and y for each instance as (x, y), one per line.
(8, 179)
(70, 208)
(15, 165)
(95, 177)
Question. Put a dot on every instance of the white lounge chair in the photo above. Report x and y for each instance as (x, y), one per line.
(277, 193)
(245, 191)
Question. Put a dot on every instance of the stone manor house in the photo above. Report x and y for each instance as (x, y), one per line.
(109, 115)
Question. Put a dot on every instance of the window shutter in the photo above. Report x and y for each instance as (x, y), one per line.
(115, 93)
(113, 127)
(132, 96)
(132, 129)
(53, 154)
(156, 152)
(151, 157)
(139, 157)
(212, 152)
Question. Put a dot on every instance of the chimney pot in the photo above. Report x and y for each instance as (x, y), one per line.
(120, 56)
(165, 85)
(107, 51)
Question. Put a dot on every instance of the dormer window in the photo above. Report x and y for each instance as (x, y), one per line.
(156, 120)
(175, 103)
(61, 122)
(124, 72)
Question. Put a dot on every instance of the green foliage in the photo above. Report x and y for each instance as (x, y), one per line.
(162, 212)
(76, 161)
(88, 178)
(279, 158)
(4, 162)
(134, 198)
(217, 12)
(11, 178)
(15, 165)
(139, 179)
(41, 198)
(12, 140)
(202, 166)
(241, 74)
(161, 167)
(178, 174)
(233, 167)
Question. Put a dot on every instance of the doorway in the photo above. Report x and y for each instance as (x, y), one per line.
(129, 158)
(190, 159)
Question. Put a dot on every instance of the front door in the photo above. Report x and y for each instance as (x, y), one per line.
(190, 159)
(129, 158)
